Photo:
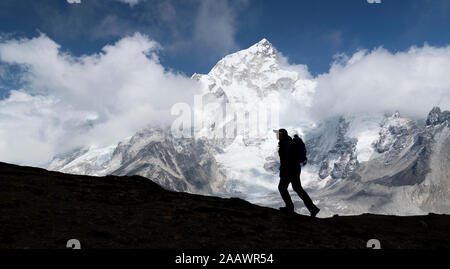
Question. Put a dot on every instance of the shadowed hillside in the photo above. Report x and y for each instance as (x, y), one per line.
(43, 209)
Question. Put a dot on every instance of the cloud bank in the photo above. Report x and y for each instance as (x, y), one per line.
(96, 99)
(379, 81)
(374, 1)
(74, 1)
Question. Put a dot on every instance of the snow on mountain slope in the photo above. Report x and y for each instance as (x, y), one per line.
(176, 164)
(407, 174)
(90, 161)
(253, 74)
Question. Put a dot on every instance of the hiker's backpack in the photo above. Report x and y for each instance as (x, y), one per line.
(299, 150)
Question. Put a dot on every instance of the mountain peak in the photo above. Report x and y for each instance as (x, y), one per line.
(436, 116)
(263, 47)
(264, 41)
(260, 57)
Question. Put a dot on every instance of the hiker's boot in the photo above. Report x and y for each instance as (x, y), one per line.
(287, 210)
(314, 211)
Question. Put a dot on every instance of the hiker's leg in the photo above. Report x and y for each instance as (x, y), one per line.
(283, 188)
(297, 186)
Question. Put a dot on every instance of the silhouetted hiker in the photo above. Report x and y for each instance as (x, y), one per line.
(290, 159)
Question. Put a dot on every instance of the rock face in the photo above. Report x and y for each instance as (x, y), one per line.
(395, 134)
(334, 153)
(176, 164)
(406, 173)
(403, 148)
(133, 212)
(437, 117)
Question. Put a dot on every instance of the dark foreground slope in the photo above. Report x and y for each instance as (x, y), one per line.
(42, 209)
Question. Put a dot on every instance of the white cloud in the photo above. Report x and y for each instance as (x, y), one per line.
(215, 26)
(74, 1)
(301, 69)
(95, 100)
(111, 26)
(374, 1)
(379, 81)
(167, 11)
(130, 2)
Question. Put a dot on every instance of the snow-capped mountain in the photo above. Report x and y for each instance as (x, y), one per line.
(253, 74)
(357, 163)
(177, 164)
(407, 172)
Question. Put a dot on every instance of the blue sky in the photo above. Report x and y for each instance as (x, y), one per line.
(195, 34)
